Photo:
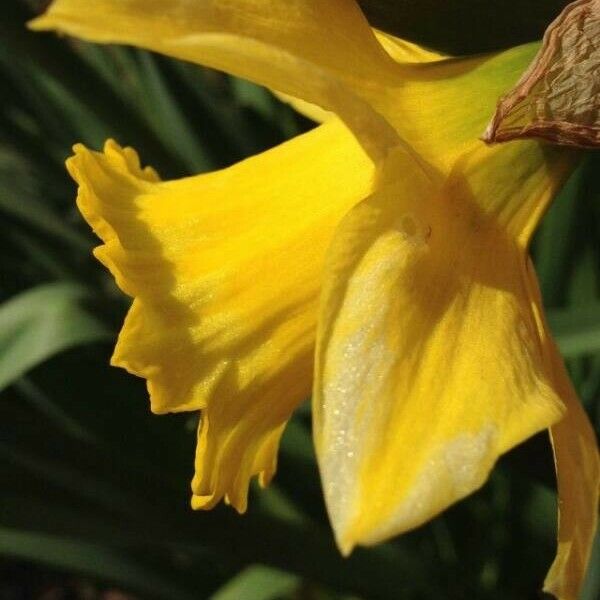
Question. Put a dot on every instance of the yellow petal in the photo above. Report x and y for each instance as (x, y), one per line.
(441, 107)
(388, 91)
(512, 184)
(319, 50)
(429, 356)
(403, 51)
(312, 111)
(225, 269)
(399, 50)
(578, 474)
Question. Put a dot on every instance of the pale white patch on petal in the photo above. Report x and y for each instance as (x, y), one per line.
(460, 465)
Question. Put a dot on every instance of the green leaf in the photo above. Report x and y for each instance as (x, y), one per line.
(253, 96)
(37, 256)
(577, 330)
(41, 322)
(258, 583)
(62, 63)
(19, 198)
(104, 563)
(555, 243)
(52, 412)
(591, 584)
(463, 26)
(166, 117)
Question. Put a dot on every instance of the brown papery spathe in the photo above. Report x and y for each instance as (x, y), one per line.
(558, 97)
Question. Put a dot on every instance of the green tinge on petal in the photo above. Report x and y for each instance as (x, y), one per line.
(442, 107)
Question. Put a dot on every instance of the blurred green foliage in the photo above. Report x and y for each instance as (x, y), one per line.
(92, 484)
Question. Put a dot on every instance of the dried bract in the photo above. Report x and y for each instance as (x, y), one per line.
(557, 99)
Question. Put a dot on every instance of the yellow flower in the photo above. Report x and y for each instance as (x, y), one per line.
(389, 238)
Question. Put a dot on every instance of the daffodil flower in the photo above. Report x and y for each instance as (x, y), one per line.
(379, 260)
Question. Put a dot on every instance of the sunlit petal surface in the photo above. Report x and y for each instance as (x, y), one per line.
(430, 360)
(225, 271)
